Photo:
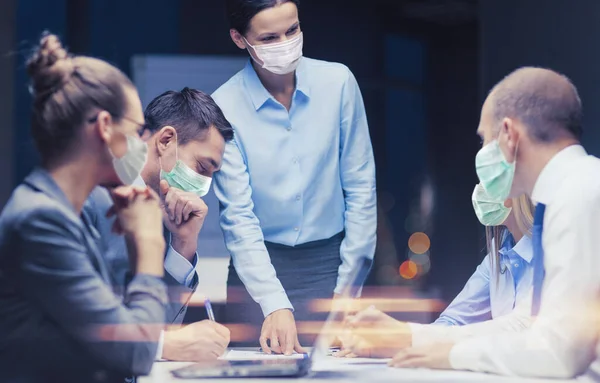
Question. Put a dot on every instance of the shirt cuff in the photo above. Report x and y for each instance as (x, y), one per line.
(464, 356)
(345, 284)
(442, 321)
(427, 334)
(161, 343)
(340, 290)
(418, 332)
(274, 302)
(179, 267)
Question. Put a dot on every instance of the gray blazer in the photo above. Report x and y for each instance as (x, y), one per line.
(114, 252)
(59, 317)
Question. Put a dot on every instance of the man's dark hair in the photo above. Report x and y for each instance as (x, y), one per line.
(190, 111)
(241, 12)
(545, 101)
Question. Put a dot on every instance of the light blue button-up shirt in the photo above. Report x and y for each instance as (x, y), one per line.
(488, 295)
(295, 177)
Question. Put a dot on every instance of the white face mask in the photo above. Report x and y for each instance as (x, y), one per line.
(279, 58)
(130, 165)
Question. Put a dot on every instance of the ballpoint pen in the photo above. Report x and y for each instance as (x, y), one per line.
(209, 310)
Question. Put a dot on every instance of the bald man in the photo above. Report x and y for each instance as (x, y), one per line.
(531, 126)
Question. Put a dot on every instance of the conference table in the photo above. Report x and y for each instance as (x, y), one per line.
(334, 370)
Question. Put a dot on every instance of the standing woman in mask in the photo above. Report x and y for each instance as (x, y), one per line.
(59, 317)
(297, 184)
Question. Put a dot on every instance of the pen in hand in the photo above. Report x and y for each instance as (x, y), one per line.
(209, 310)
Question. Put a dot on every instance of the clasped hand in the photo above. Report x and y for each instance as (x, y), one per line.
(184, 215)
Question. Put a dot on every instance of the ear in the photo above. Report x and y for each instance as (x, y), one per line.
(237, 38)
(509, 138)
(165, 139)
(508, 203)
(103, 126)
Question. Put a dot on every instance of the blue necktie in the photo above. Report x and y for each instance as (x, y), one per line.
(538, 258)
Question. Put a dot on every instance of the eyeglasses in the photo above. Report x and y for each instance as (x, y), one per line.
(141, 126)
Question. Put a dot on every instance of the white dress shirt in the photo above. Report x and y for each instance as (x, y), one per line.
(561, 341)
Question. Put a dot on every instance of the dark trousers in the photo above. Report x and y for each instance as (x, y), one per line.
(307, 272)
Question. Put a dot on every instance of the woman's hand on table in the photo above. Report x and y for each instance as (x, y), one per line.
(435, 356)
(374, 334)
(279, 334)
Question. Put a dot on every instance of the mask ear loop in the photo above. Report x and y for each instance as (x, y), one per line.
(176, 155)
(254, 56)
(248, 43)
(516, 151)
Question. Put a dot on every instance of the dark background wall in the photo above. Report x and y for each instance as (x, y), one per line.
(424, 67)
(8, 59)
(457, 238)
(561, 34)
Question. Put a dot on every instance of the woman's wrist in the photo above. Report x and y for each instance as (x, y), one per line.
(150, 252)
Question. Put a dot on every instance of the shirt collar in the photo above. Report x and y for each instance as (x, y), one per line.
(554, 172)
(523, 248)
(301, 79)
(259, 94)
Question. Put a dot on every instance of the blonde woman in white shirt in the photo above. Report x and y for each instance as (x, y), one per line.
(496, 298)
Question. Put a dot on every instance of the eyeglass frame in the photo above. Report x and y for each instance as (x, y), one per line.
(142, 127)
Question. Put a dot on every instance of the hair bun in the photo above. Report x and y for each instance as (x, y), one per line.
(50, 65)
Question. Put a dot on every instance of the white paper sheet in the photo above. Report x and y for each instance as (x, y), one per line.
(331, 363)
(257, 355)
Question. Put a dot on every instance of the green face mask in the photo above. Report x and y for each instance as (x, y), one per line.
(184, 178)
(495, 173)
(489, 211)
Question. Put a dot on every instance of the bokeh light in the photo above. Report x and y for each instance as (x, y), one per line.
(427, 198)
(422, 261)
(419, 243)
(408, 270)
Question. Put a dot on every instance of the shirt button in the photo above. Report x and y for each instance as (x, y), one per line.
(516, 265)
(295, 160)
(296, 229)
(289, 128)
(298, 197)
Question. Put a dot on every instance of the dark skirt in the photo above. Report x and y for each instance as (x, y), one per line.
(307, 272)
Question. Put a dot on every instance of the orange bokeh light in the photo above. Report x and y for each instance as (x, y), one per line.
(408, 270)
(419, 243)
